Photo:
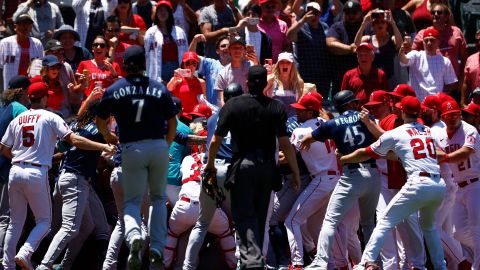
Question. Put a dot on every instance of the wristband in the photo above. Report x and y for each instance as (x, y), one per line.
(447, 157)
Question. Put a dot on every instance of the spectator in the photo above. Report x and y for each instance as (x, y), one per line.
(50, 73)
(46, 17)
(430, 73)
(472, 73)
(102, 73)
(236, 71)
(471, 114)
(249, 31)
(215, 21)
(111, 30)
(285, 84)
(451, 42)
(184, 17)
(90, 16)
(210, 67)
(145, 9)
(274, 28)
(17, 51)
(420, 10)
(165, 44)
(340, 41)
(330, 9)
(6, 13)
(311, 49)
(385, 46)
(365, 78)
(133, 27)
(187, 87)
(73, 54)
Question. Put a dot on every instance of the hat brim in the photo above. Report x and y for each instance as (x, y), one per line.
(54, 48)
(298, 106)
(395, 94)
(450, 111)
(57, 34)
(197, 114)
(373, 103)
(469, 112)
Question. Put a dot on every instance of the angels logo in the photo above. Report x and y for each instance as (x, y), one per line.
(471, 139)
(449, 106)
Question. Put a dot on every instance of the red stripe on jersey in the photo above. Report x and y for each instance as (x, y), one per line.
(371, 153)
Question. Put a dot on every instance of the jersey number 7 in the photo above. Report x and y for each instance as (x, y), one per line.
(418, 147)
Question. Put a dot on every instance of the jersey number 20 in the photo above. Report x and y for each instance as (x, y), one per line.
(28, 135)
(418, 147)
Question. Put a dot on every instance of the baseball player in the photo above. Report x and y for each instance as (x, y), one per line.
(461, 145)
(324, 175)
(207, 204)
(431, 106)
(424, 190)
(359, 182)
(145, 114)
(30, 140)
(186, 212)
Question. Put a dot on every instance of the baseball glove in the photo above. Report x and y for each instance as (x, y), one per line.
(211, 188)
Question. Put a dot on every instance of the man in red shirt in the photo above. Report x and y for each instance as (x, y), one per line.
(365, 78)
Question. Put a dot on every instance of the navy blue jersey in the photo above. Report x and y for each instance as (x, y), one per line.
(83, 162)
(347, 131)
(141, 107)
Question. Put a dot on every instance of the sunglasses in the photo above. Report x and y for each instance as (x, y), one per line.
(439, 12)
(223, 46)
(191, 63)
(101, 45)
(116, 30)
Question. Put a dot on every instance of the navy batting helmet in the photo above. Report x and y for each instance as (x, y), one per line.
(344, 97)
(232, 90)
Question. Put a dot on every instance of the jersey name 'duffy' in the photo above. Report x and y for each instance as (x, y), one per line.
(30, 118)
(134, 90)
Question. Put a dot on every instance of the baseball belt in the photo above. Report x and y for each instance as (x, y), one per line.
(467, 182)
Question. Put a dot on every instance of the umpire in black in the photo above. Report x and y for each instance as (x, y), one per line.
(255, 122)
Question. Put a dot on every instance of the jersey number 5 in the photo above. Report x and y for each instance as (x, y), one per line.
(419, 148)
(28, 135)
(140, 102)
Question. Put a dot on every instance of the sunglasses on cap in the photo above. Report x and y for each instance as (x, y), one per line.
(101, 45)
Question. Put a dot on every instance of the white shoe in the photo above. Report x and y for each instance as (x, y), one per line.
(24, 262)
(135, 257)
(315, 265)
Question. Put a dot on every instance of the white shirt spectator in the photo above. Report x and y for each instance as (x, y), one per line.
(429, 73)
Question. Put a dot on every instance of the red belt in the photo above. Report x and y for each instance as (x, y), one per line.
(426, 174)
(332, 172)
(28, 163)
(467, 182)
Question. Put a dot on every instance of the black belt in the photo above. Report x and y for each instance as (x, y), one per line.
(426, 174)
(467, 182)
(357, 165)
(28, 164)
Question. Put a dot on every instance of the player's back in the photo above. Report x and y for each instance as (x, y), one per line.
(33, 135)
(141, 107)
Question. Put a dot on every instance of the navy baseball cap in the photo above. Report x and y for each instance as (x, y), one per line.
(352, 5)
(53, 45)
(237, 40)
(257, 74)
(178, 103)
(134, 55)
(19, 81)
(24, 18)
(50, 61)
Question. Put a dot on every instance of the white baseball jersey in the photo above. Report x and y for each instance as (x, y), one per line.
(191, 169)
(321, 156)
(10, 52)
(413, 144)
(33, 134)
(439, 131)
(466, 135)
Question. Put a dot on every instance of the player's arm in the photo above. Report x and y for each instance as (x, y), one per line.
(456, 156)
(375, 129)
(215, 144)
(358, 156)
(289, 152)
(86, 144)
(6, 151)
(171, 129)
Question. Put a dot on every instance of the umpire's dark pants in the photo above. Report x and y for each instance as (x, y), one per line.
(250, 199)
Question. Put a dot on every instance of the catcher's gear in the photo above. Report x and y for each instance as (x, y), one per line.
(210, 186)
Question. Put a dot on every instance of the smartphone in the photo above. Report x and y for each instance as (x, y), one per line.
(252, 20)
(378, 15)
(268, 61)
(186, 73)
(250, 48)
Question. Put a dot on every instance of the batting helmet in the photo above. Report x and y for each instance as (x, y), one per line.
(232, 90)
(344, 97)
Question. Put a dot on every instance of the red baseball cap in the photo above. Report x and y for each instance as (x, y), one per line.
(35, 79)
(431, 32)
(261, 2)
(378, 97)
(201, 110)
(432, 102)
(409, 105)
(37, 90)
(190, 56)
(365, 45)
(165, 3)
(403, 90)
(444, 97)
(317, 96)
(450, 106)
(473, 109)
(307, 102)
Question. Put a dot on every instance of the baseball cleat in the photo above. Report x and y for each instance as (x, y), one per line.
(23, 262)
(156, 258)
(135, 256)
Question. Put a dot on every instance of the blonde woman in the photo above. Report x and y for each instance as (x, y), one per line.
(285, 83)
